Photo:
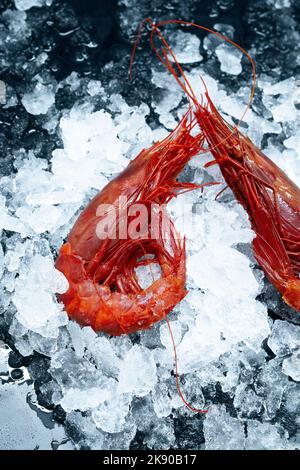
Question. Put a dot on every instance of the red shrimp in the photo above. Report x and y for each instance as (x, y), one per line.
(104, 290)
(270, 198)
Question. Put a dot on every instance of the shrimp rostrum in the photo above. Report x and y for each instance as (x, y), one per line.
(100, 256)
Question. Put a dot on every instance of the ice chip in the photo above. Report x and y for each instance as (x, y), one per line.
(264, 436)
(284, 338)
(27, 4)
(39, 100)
(137, 372)
(111, 415)
(222, 431)
(37, 308)
(291, 366)
(230, 59)
(186, 48)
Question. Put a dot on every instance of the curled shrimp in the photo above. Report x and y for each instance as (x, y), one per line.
(270, 198)
(104, 290)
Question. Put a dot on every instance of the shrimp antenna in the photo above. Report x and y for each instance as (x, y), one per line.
(190, 407)
(165, 61)
(185, 85)
(136, 42)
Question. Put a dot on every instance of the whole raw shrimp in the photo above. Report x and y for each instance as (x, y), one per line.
(270, 198)
(104, 290)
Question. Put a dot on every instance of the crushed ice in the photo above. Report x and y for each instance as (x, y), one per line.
(112, 387)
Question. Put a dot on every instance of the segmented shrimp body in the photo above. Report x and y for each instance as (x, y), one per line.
(104, 290)
(270, 198)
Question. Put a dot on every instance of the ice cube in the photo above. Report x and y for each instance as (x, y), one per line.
(186, 48)
(76, 399)
(137, 372)
(230, 59)
(247, 402)
(4, 353)
(39, 100)
(95, 88)
(264, 436)
(10, 222)
(17, 24)
(271, 385)
(1, 261)
(111, 415)
(221, 431)
(27, 4)
(291, 366)
(37, 308)
(284, 338)
(161, 435)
